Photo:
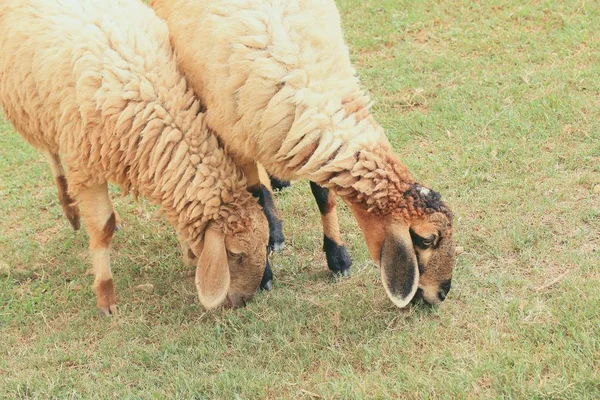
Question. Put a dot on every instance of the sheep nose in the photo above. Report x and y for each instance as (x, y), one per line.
(444, 289)
(442, 295)
(237, 301)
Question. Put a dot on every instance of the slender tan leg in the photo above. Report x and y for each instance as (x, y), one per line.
(98, 213)
(338, 259)
(69, 206)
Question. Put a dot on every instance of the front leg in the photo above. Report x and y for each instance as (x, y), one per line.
(265, 199)
(99, 216)
(338, 259)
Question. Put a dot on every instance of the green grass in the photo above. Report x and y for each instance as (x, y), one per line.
(495, 104)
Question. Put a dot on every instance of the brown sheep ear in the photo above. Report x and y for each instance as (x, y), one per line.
(212, 271)
(399, 267)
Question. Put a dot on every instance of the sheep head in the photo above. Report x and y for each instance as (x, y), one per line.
(413, 245)
(231, 263)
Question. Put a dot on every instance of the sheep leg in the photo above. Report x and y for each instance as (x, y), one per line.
(99, 216)
(69, 207)
(338, 259)
(265, 199)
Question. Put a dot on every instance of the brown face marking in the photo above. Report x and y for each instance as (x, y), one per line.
(436, 262)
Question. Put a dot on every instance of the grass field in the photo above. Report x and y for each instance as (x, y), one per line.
(496, 104)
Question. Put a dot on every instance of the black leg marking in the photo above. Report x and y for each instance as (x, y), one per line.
(321, 196)
(338, 259)
(265, 199)
(267, 279)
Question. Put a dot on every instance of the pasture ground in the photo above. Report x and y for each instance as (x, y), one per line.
(495, 104)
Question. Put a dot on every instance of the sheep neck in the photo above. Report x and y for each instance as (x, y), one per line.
(374, 179)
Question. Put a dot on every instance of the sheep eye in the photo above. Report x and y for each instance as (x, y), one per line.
(427, 242)
(233, 255)
(423, 242)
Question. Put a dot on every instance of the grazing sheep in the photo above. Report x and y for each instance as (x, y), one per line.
(97, 81)
(280, 89)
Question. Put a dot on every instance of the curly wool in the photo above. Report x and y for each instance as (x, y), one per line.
(281, 90)
(114, 104)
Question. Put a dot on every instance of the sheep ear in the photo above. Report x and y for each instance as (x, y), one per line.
(399, 267)
(212, 271)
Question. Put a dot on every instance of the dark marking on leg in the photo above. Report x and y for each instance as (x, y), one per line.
(70, 210)
(321, 196)
(109, 229)
(338, 259)
(265, 199)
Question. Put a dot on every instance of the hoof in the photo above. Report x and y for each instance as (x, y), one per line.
(75, 222)
(277, 246)
(106, 298)
(338, 259)
(111, 311)
(267, 286)
(267, 279)
(276, 238)
(278, 184)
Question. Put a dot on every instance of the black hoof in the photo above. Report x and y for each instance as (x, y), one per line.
(267, 280)
(338, 259)
(267, 286)
(276, 238)
(276, 246)
(278, 184)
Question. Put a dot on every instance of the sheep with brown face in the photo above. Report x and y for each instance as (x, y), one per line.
(97, 81)
(281, 91)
